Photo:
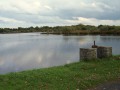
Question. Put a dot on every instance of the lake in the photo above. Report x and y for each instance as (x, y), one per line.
(25, 51)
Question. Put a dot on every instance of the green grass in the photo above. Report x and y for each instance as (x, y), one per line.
(81, 75)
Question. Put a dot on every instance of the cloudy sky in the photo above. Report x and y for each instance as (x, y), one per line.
(25, 13)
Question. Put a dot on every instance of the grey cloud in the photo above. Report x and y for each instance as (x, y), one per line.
(1, 22)
(108, 13)
(107, 10)
(65, 10)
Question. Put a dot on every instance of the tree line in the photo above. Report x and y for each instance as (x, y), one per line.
(73, 29)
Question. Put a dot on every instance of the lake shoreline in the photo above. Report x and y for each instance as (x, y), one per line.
(81, 75)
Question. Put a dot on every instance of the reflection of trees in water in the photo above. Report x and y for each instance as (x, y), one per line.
(76, 38)
(110, 38)
(80, 41)
(81, 38)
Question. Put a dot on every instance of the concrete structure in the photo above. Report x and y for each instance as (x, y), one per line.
(88, 53)
(93, 53)
(103, 52)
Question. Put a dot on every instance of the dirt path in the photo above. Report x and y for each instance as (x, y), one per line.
(114, 85)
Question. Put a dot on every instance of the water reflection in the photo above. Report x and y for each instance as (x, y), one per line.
(110, 38)
(33, 50)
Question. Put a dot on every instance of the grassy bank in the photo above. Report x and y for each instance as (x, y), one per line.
(81, 75)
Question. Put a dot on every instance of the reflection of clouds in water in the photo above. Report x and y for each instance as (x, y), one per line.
(43, 53)
(68, 62)
(30, 60)
(31, 51)
(49, 55)
(14, 64)
(1, 62)
(85, 40)
(46, 52)
(11, 46)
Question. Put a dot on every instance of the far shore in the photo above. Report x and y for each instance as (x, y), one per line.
(79, 29)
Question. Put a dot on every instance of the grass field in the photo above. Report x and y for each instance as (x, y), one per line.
(76, 76)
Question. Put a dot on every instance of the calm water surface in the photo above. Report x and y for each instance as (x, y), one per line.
(25, 51)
